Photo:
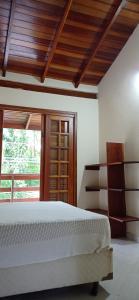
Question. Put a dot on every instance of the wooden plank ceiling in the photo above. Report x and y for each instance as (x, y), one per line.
(72, 40)
(21, 120)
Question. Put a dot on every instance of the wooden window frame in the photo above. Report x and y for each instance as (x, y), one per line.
(44, 113)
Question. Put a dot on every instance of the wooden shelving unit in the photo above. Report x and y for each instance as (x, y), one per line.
(116, 189)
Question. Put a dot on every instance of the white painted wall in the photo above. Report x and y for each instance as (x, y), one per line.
(119, 117)
(87, 123)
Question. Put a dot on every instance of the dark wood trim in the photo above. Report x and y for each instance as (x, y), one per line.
(46, 159)
(18, 126)
(118, 8)
(42, 161)
(75, 159)
(52, 48)
(7, 44)
(19, 176)
(20, 189)
(36, 110)
(44, 89)
(1, 134)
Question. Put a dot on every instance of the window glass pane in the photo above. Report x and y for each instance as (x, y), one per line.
(64, 140)
(21, 160)
(21, 151)
(53, 196)
(63, 169)
(53, 183)
(64, 155)
(63, 197)
(64, 126)
(63, 183)
(53, 169)
(54, 140)
(54, 126)
(53, 154)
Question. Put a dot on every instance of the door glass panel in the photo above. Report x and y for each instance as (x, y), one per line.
(64, 141)
(64, 155)
(53, 169)
(63, 169)
(63, 184)
(53, 184)
(64, 126)
(54, 154)
(63, 197)
(54, 141)
(54, 126)
(53, 196)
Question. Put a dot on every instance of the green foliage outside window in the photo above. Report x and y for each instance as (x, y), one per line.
(20, 155)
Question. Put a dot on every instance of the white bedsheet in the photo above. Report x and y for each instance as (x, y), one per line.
(45, 231)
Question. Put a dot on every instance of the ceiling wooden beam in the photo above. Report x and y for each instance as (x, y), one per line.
(53, 46)
(7, 44)
(116, 11)
(28, 121)
(45, 89)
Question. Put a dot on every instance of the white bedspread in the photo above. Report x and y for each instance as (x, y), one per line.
(45, 231)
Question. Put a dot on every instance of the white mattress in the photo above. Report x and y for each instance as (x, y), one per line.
(46, 231)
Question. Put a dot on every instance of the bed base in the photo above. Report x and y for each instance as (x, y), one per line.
(94, 290)
(64, 272)
(95, 287)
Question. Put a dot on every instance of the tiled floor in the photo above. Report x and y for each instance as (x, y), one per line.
(124, 286)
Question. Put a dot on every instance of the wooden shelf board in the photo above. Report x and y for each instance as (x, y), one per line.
(116, 189)
(94, 188)
(103, 164)
(97, 188)
(123, 219)
(131, 162)
(131, 189)
(97, 166)
(123, 189)
(98, 211)
(116, 163)
(92, 167)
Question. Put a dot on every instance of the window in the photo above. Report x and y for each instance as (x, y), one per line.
(57, 150)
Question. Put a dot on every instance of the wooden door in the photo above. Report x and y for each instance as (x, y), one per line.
(59, 159)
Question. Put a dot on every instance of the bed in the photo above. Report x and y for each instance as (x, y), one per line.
(48, 245)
